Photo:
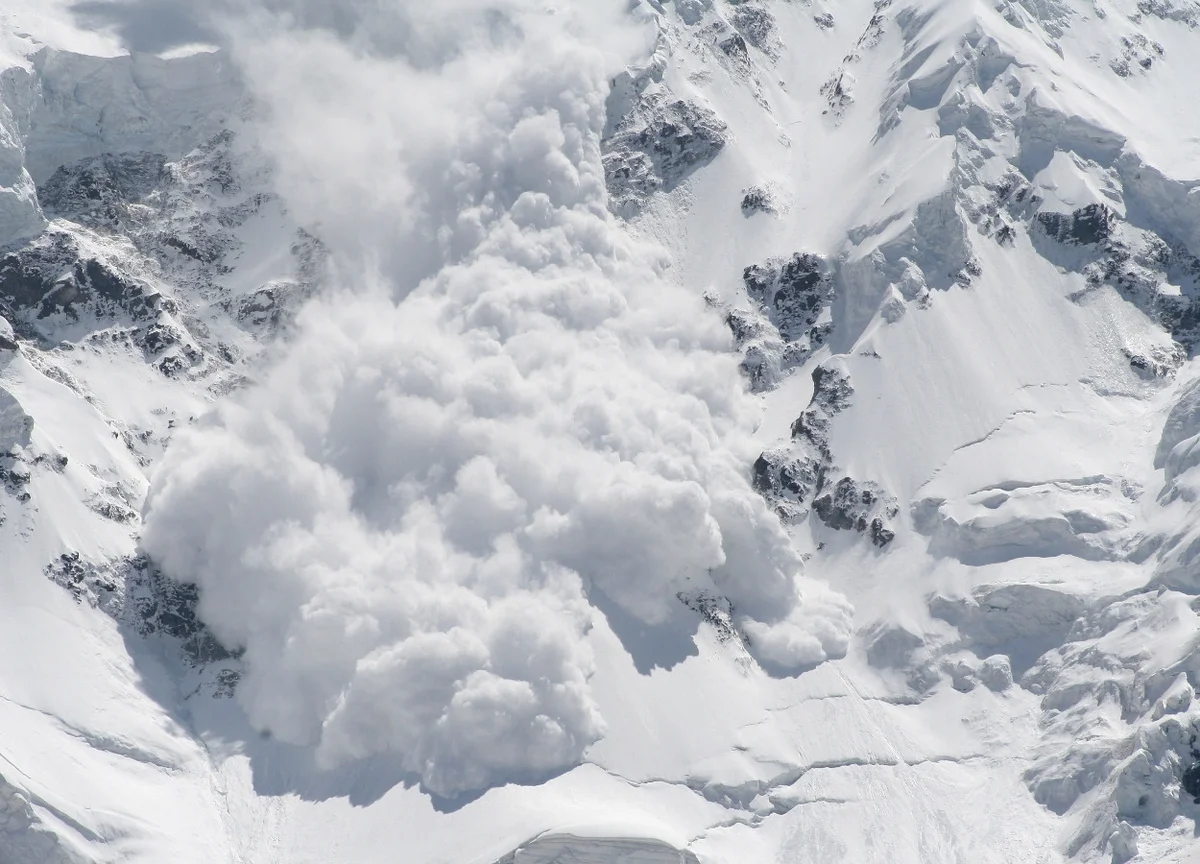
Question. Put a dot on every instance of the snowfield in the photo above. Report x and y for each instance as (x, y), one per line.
(667, 432)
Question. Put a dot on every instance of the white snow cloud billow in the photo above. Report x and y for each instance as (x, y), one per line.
(504, 408)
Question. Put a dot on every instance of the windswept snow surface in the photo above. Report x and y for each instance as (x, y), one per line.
(680, 431)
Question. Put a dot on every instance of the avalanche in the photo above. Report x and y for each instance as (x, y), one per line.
(683, 430)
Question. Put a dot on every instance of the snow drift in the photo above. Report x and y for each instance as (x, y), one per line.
(504, 411)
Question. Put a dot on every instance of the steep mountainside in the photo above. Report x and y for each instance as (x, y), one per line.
(702, 431)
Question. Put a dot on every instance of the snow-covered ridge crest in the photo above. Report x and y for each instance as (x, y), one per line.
(506, 420)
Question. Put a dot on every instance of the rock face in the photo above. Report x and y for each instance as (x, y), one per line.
(140, 250)
(656, 147)
(790, 475)
(787, 480)
(757, 199)
(1087, 226)
(794, 293)
(105, 189)
(754, 22)
(766, 357)
(797, 477)
(1190, 781)
(789, 319)
(32, 282)
(132, 267)
(862, 507)
(139, 596)
(832, 393)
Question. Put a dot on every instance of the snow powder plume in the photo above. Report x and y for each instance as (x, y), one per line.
(506, 410)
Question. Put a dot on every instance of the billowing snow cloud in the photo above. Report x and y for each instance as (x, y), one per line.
(505, 409)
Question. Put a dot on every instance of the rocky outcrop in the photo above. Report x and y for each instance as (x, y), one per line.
(792, 474)
(103, 190)
(1159, 275)
(657, 146)
(138, 595)
(794, 293)
(757, 199)
(857, 506)
(757, 25)
(787, 480)
(1087, 226)
(54, 275)
(797, 477)
(789, 318)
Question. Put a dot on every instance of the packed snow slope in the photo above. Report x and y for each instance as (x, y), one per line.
(508, 433)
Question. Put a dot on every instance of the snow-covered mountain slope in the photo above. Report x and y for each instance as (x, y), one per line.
(700, 431)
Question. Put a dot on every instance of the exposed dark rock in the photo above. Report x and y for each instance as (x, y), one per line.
(692, 11)
(189, 250)
(757, 25)
(102, 188)
(1157, 362)
(790, 322)
(180, 217)
(130, 195)
(858, 506)
(127, 193)
(657, 146)
(757, 200)
(172, 366)
(1157, 275)
(169, 607)
(1138, 54)
(158, 337)
(831, 395)
(266, 307)
(1086, 226)
(787, 480)
(70, 572)
(790, 476)
(1013, 195)
(1183, 11)
(744, 325)
(839, 93)
(52, 275)
(717, 611)
(734, 47)
(1190, 782)
(794, 292)
(15, 476)
(766, 357)
(114, 511)
(138, 595)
